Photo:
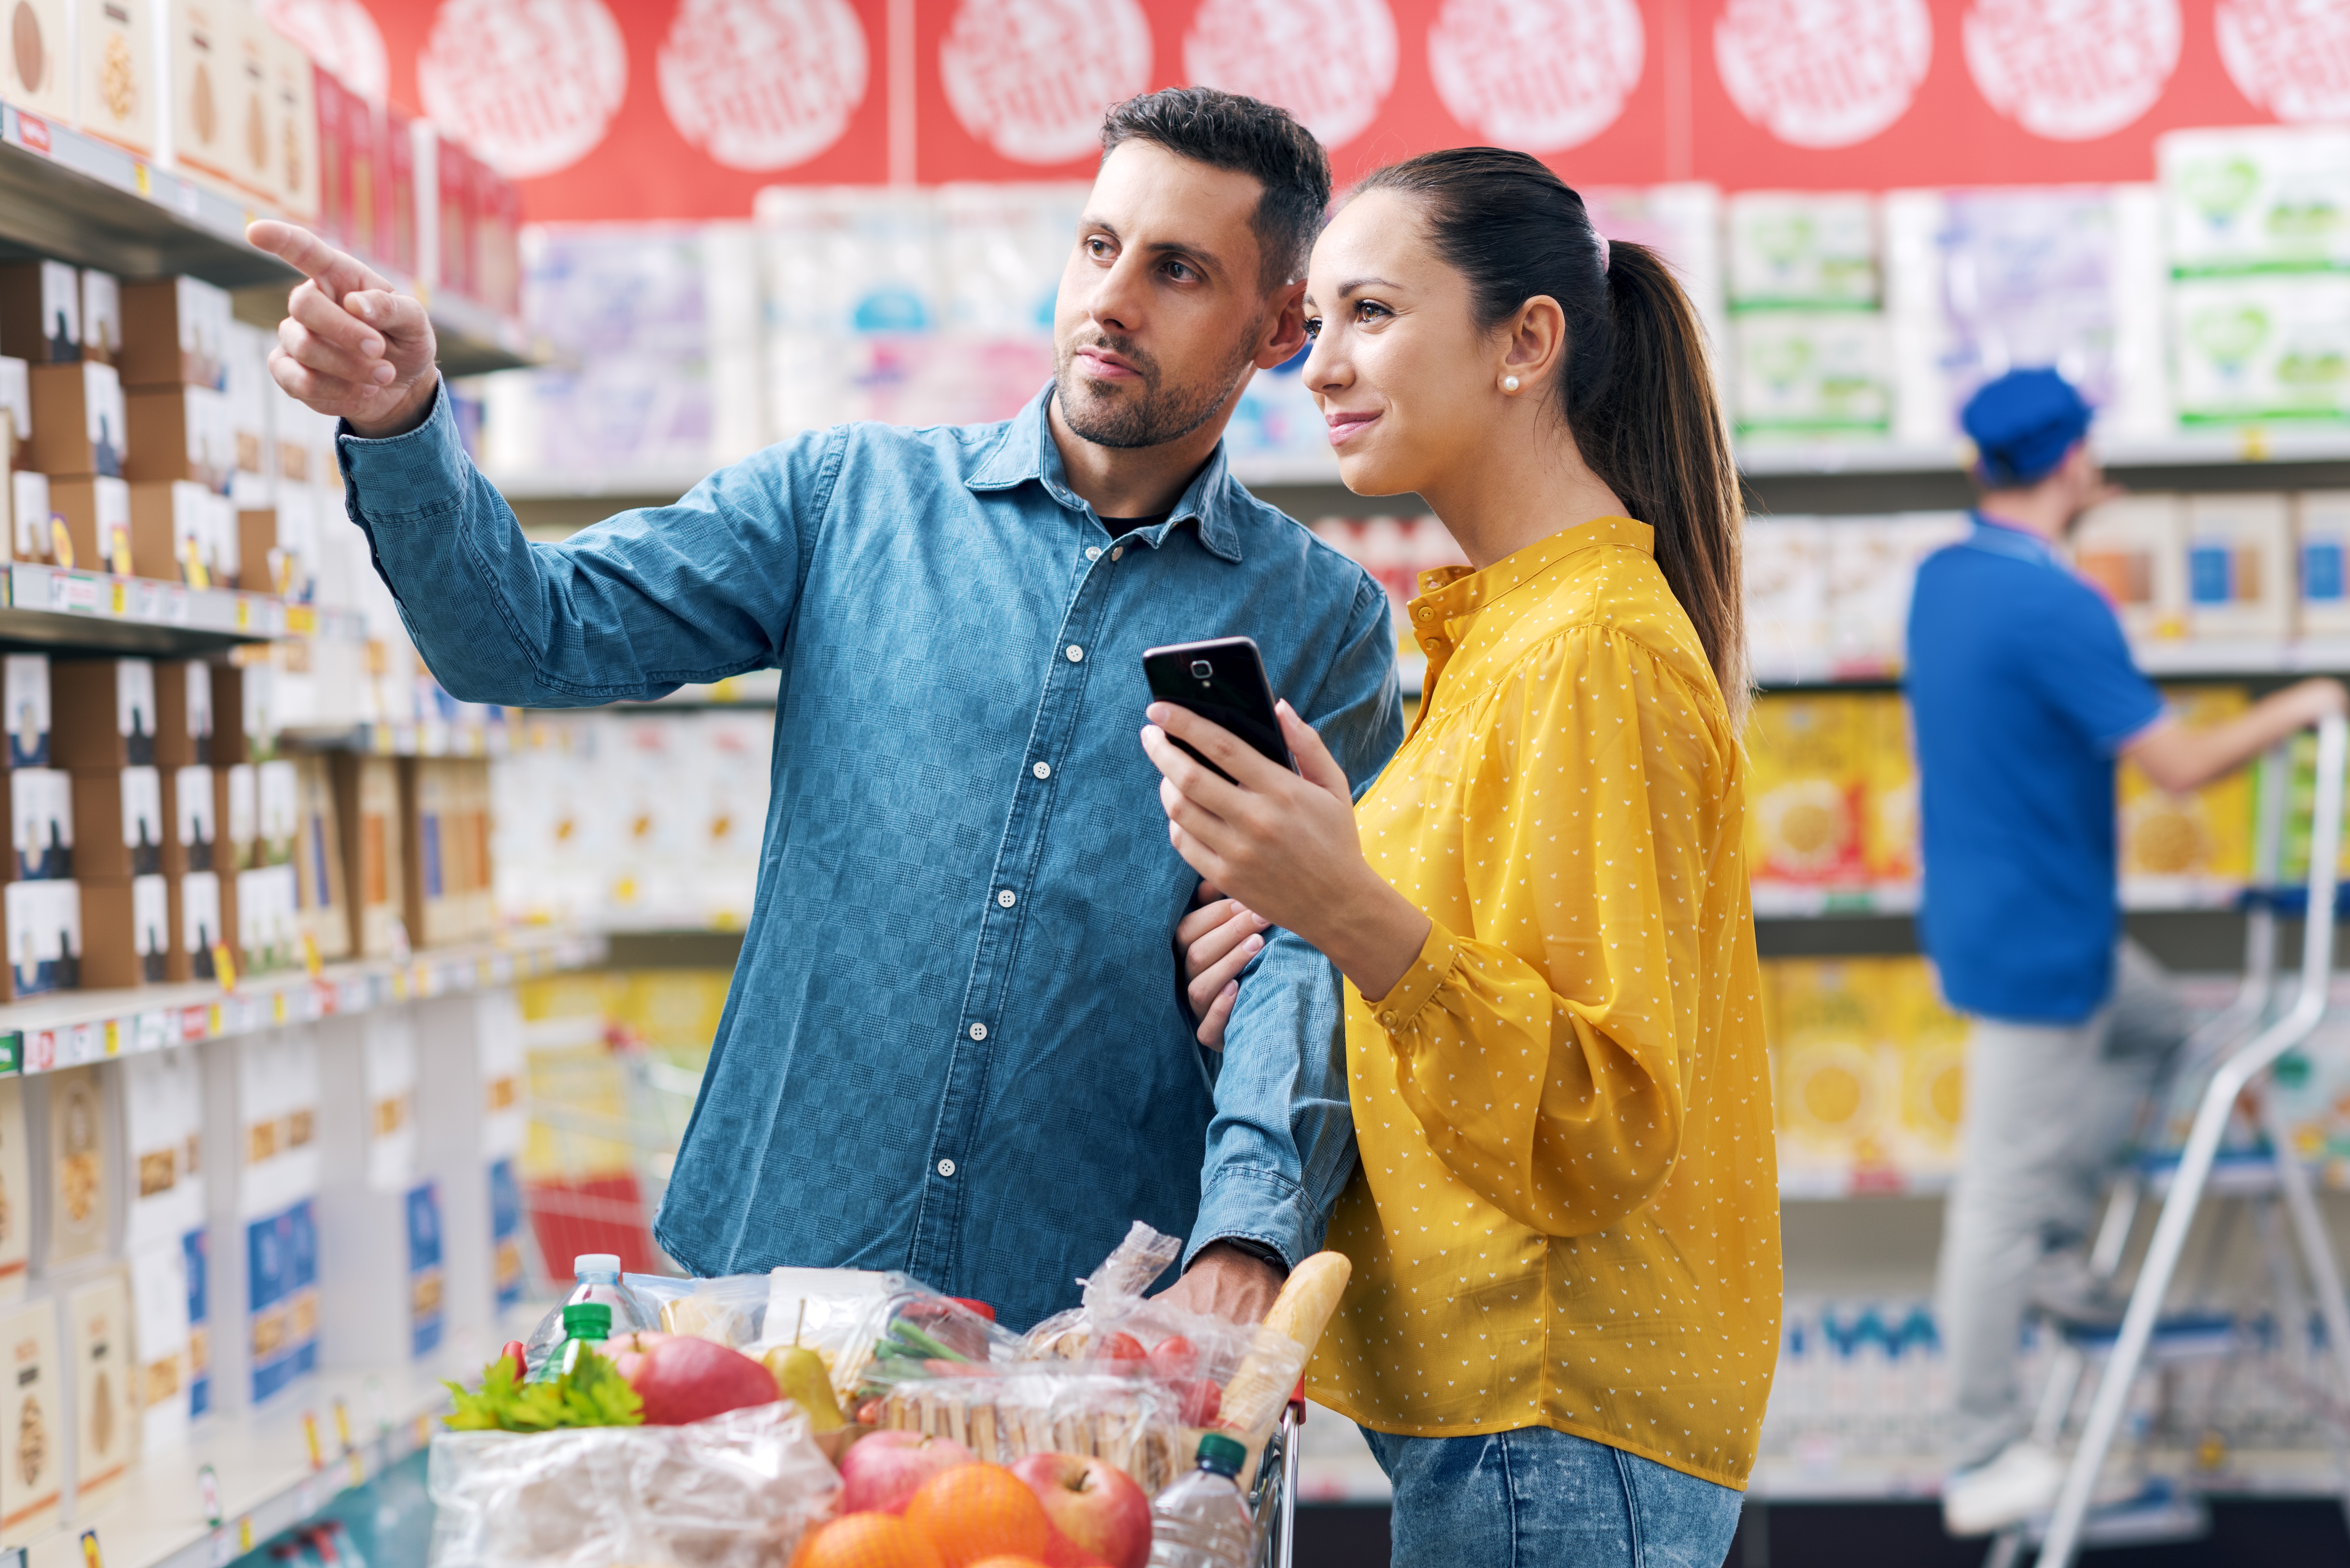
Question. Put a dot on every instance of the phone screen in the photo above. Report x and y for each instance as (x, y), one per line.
(1223, 682)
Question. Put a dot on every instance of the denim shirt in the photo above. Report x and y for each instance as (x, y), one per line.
(955, 1043)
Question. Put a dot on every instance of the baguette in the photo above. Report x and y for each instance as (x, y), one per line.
(1254, 1398)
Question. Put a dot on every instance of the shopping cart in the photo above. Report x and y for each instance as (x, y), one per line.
(1273, 1498)
(2240, 1048)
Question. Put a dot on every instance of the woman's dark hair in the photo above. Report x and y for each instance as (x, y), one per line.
(1637, 392)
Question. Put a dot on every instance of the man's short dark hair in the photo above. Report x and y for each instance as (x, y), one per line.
(1225, 131)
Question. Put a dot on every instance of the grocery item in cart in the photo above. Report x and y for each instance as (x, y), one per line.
(1203, 1520)
(598, 1279)
(736, 1490)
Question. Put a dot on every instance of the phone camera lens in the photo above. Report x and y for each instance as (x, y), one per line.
(1201, 670)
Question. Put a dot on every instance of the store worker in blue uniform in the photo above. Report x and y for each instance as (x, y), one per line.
(2023, 695)
(956, 1042)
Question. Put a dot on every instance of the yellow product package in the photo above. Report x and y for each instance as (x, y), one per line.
(1930, 1044)
(1828, 1048)
(2181, 848)
(1808, 778)
(1889, 842)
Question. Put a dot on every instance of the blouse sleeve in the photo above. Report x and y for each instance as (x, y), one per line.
(1542, 1048)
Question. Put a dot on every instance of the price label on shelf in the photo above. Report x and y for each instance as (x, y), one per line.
(176, 606)
(153, 1032)
(119, 595)
(40, 1050)
(114, 1032)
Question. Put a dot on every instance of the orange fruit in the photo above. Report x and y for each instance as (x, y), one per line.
(973, 1512)
(1007, 1563)
(867, 1541)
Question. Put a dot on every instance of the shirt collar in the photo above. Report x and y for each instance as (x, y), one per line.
(1450, 592)
(2006, 539)
(1024, 452)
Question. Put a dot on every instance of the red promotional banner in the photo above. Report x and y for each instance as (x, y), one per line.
(682, 108)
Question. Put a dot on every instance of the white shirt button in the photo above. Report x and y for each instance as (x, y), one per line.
(1114, 554)
(978, 1031)
(1043, 769)
(1093, 552)
(1076, 654)
(1007, 898)
(946, 1168)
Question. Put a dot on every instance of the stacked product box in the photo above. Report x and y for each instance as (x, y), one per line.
(76, 416)
(1810, 344)
(445, 830)
(263, 1300)
(373, 1184)
(43, 905)
(104, 718)
(1870, 1068)
(166, 1241)
(2259, 261)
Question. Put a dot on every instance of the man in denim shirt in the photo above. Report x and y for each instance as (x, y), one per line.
(956, 1043)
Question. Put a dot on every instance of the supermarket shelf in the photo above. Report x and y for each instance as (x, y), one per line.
(433, 739)
(72, 196)
(2221, 447)
(2141, 895)
(50, 607)
(2166, 660)
(473, 339)
(71, 1028)
(1824, 1470)
(268, 1482)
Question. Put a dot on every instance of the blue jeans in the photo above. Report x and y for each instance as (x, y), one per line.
(1541, 1499)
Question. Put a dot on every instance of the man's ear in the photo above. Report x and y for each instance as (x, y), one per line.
(1286, 326)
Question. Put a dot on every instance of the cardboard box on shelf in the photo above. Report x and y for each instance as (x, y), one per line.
(32, 1420)
(101, 317)
(160, 1335)
(236, 816)
(266, 1087)
(203, 912)
(41, 824)
(183, 712)
(40, 311)
(189, 805)
(1807, 373)
(117, 58)
(29, 531)
(2176, 846)
(1803, 248)
(2255, 197)
(172, 531)
(262, 566)
(96, 511)
(268, 921)
(2240, 567)
(277, 811)
(81, 1166)
(16, 404)
(294, 123)
(1785, 564)
(367, 807)
(1889, 847)
(126, 931)
(320, 879)
(104, 712)
(2259, 348)
(396, 226)
(43, 922)
(2135, 549)
(36, 73)
(80, 418)
(16, 1211)
(1837, 1094)
(455, 200)
(2322, 524)
(444, 829)
(119, 821)
(180, 433)
(176, 333)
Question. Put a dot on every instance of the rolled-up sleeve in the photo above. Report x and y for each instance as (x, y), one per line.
(1282, 1141)
(634, 606)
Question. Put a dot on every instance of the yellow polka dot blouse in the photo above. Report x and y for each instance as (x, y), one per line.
(1566, 1210)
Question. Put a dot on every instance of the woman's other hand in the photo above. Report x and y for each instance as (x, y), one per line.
(1218, 938)
(1282, 843)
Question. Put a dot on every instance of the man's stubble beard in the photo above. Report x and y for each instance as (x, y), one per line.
(1161, 414)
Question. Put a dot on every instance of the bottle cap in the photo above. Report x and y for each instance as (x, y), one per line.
(1221, 1454)
(588, 1320)
(588, 1263)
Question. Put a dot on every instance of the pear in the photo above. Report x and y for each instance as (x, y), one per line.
(801, 1378)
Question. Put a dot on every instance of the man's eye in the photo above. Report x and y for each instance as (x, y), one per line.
(1180, 273)
(1096, 248)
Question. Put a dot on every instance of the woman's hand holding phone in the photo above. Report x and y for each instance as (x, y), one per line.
(1282, 843)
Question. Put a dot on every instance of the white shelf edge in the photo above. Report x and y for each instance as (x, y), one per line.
(156, 602)
(70, 1029)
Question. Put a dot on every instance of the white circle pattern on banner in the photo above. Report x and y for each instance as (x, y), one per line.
(2072, 69)
(2289, 57)
(529, 85)
(341, 36)
(762, 83)
(1331, 63)
(1541, 76)
(1032, 77)
(1823, 73)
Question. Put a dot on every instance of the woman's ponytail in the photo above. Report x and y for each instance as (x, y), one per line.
(1637, 392)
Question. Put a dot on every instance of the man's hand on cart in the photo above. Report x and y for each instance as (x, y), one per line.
(1217, 939)
(351, 346)
(1231, 1283)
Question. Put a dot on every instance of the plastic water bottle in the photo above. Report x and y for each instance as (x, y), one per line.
(1202, 1522)
(585, 1323)
(598, 1279)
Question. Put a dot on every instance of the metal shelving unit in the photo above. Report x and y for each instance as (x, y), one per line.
(56, 607)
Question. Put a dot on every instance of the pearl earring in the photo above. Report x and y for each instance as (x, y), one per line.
(1509, 383)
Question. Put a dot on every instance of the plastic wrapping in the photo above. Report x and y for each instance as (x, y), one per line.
(736, 1490)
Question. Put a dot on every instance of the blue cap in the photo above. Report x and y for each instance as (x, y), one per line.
(2023, 424)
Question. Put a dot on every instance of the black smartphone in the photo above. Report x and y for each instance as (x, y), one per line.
(1222, 681)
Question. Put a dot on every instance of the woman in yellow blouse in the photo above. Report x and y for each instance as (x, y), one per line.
(1563, 1317)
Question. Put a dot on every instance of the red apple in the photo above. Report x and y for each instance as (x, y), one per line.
(881, 1471)
(682, 1378)
(1099, 1516)
(1120, 1347)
